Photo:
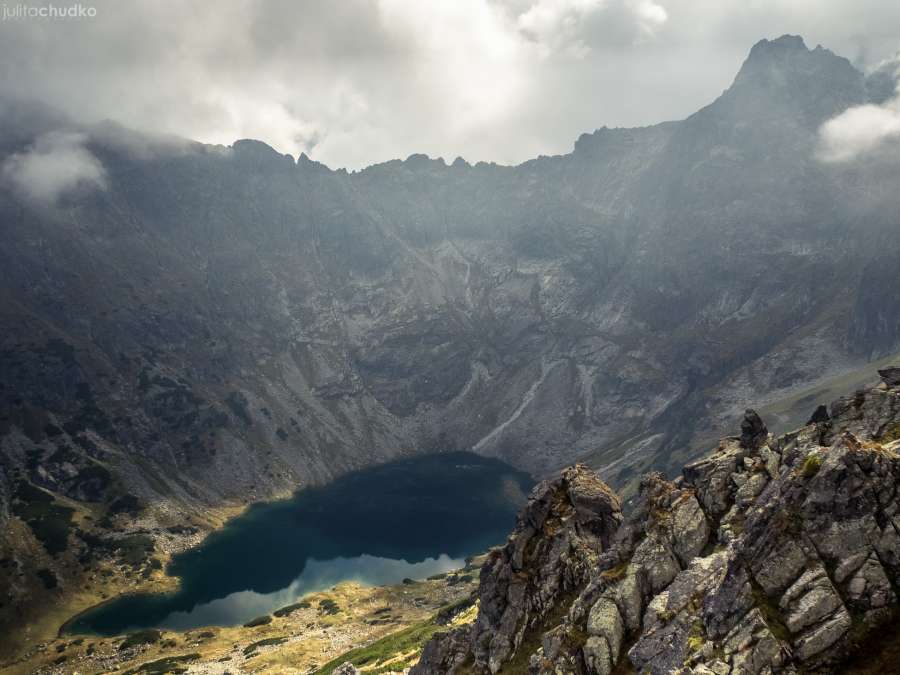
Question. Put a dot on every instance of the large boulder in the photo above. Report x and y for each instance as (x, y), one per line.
(890, 376)
(753, 430)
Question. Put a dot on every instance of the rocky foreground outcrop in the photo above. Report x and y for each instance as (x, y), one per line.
(772, 555)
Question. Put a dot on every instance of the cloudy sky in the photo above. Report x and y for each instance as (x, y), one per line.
(354, 82)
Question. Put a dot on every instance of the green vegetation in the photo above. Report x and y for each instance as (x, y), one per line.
(268, 642)
(328, 606)
(169, 664)
(615, 573)
(811, 465)
(771, 614)
(891, 433)
(459, 579)
(48, 578)
(49, 521)
(126, 503)
(447, 613)
(289, 609)
(697, 638)
(386, 649)
(135, 549)
(141, 637)
(534, 636)
(258, 621)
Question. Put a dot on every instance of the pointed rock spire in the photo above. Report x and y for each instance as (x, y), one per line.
(753, 430)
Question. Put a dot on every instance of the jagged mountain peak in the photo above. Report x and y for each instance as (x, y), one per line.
(785, 44)
(784, 74)
(788, 52)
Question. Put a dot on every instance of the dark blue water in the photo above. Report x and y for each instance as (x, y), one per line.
(411, 518)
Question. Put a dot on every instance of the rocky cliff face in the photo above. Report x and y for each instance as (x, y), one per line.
(774, 554)
(246, 322)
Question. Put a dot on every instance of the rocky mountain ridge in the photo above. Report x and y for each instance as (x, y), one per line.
(772, 555)
(211, 326)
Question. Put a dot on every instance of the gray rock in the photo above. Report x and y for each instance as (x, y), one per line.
(346, 669)
(890, 376)
(812, 537)
(690, 530)
(751, 647)
(567, 523)
(870, 588)
(598, 657)
(821, 637)
(444, 653)
(605, 621)
(753, 430)
(809, 600)
(659, 563)
(820, 416)
(711, 477)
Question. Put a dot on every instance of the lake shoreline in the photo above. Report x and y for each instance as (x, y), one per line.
(411, 518)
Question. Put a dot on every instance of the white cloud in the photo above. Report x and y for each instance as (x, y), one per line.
(860, 131)
(360, 81)
(56, 164)
(574, 27)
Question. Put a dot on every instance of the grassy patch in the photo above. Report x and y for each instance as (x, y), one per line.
(169, 664)
(258, 621)
(48, 578)
(268, 642)
(135, 549)
(49, 521)
(769, 609)
(387, 648)
(891, 433)
(141, 637)
(811, 465)
(328, 606)
(448, 613)
(126, 503)
(290, 609)
(697, 637)
(615, 573)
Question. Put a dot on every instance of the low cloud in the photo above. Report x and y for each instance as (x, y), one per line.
(575, 27)
(861, 131)
(56, 164)
(361, 81)
(870, 129)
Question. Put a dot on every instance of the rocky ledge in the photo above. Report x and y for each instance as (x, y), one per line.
(772, 555)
